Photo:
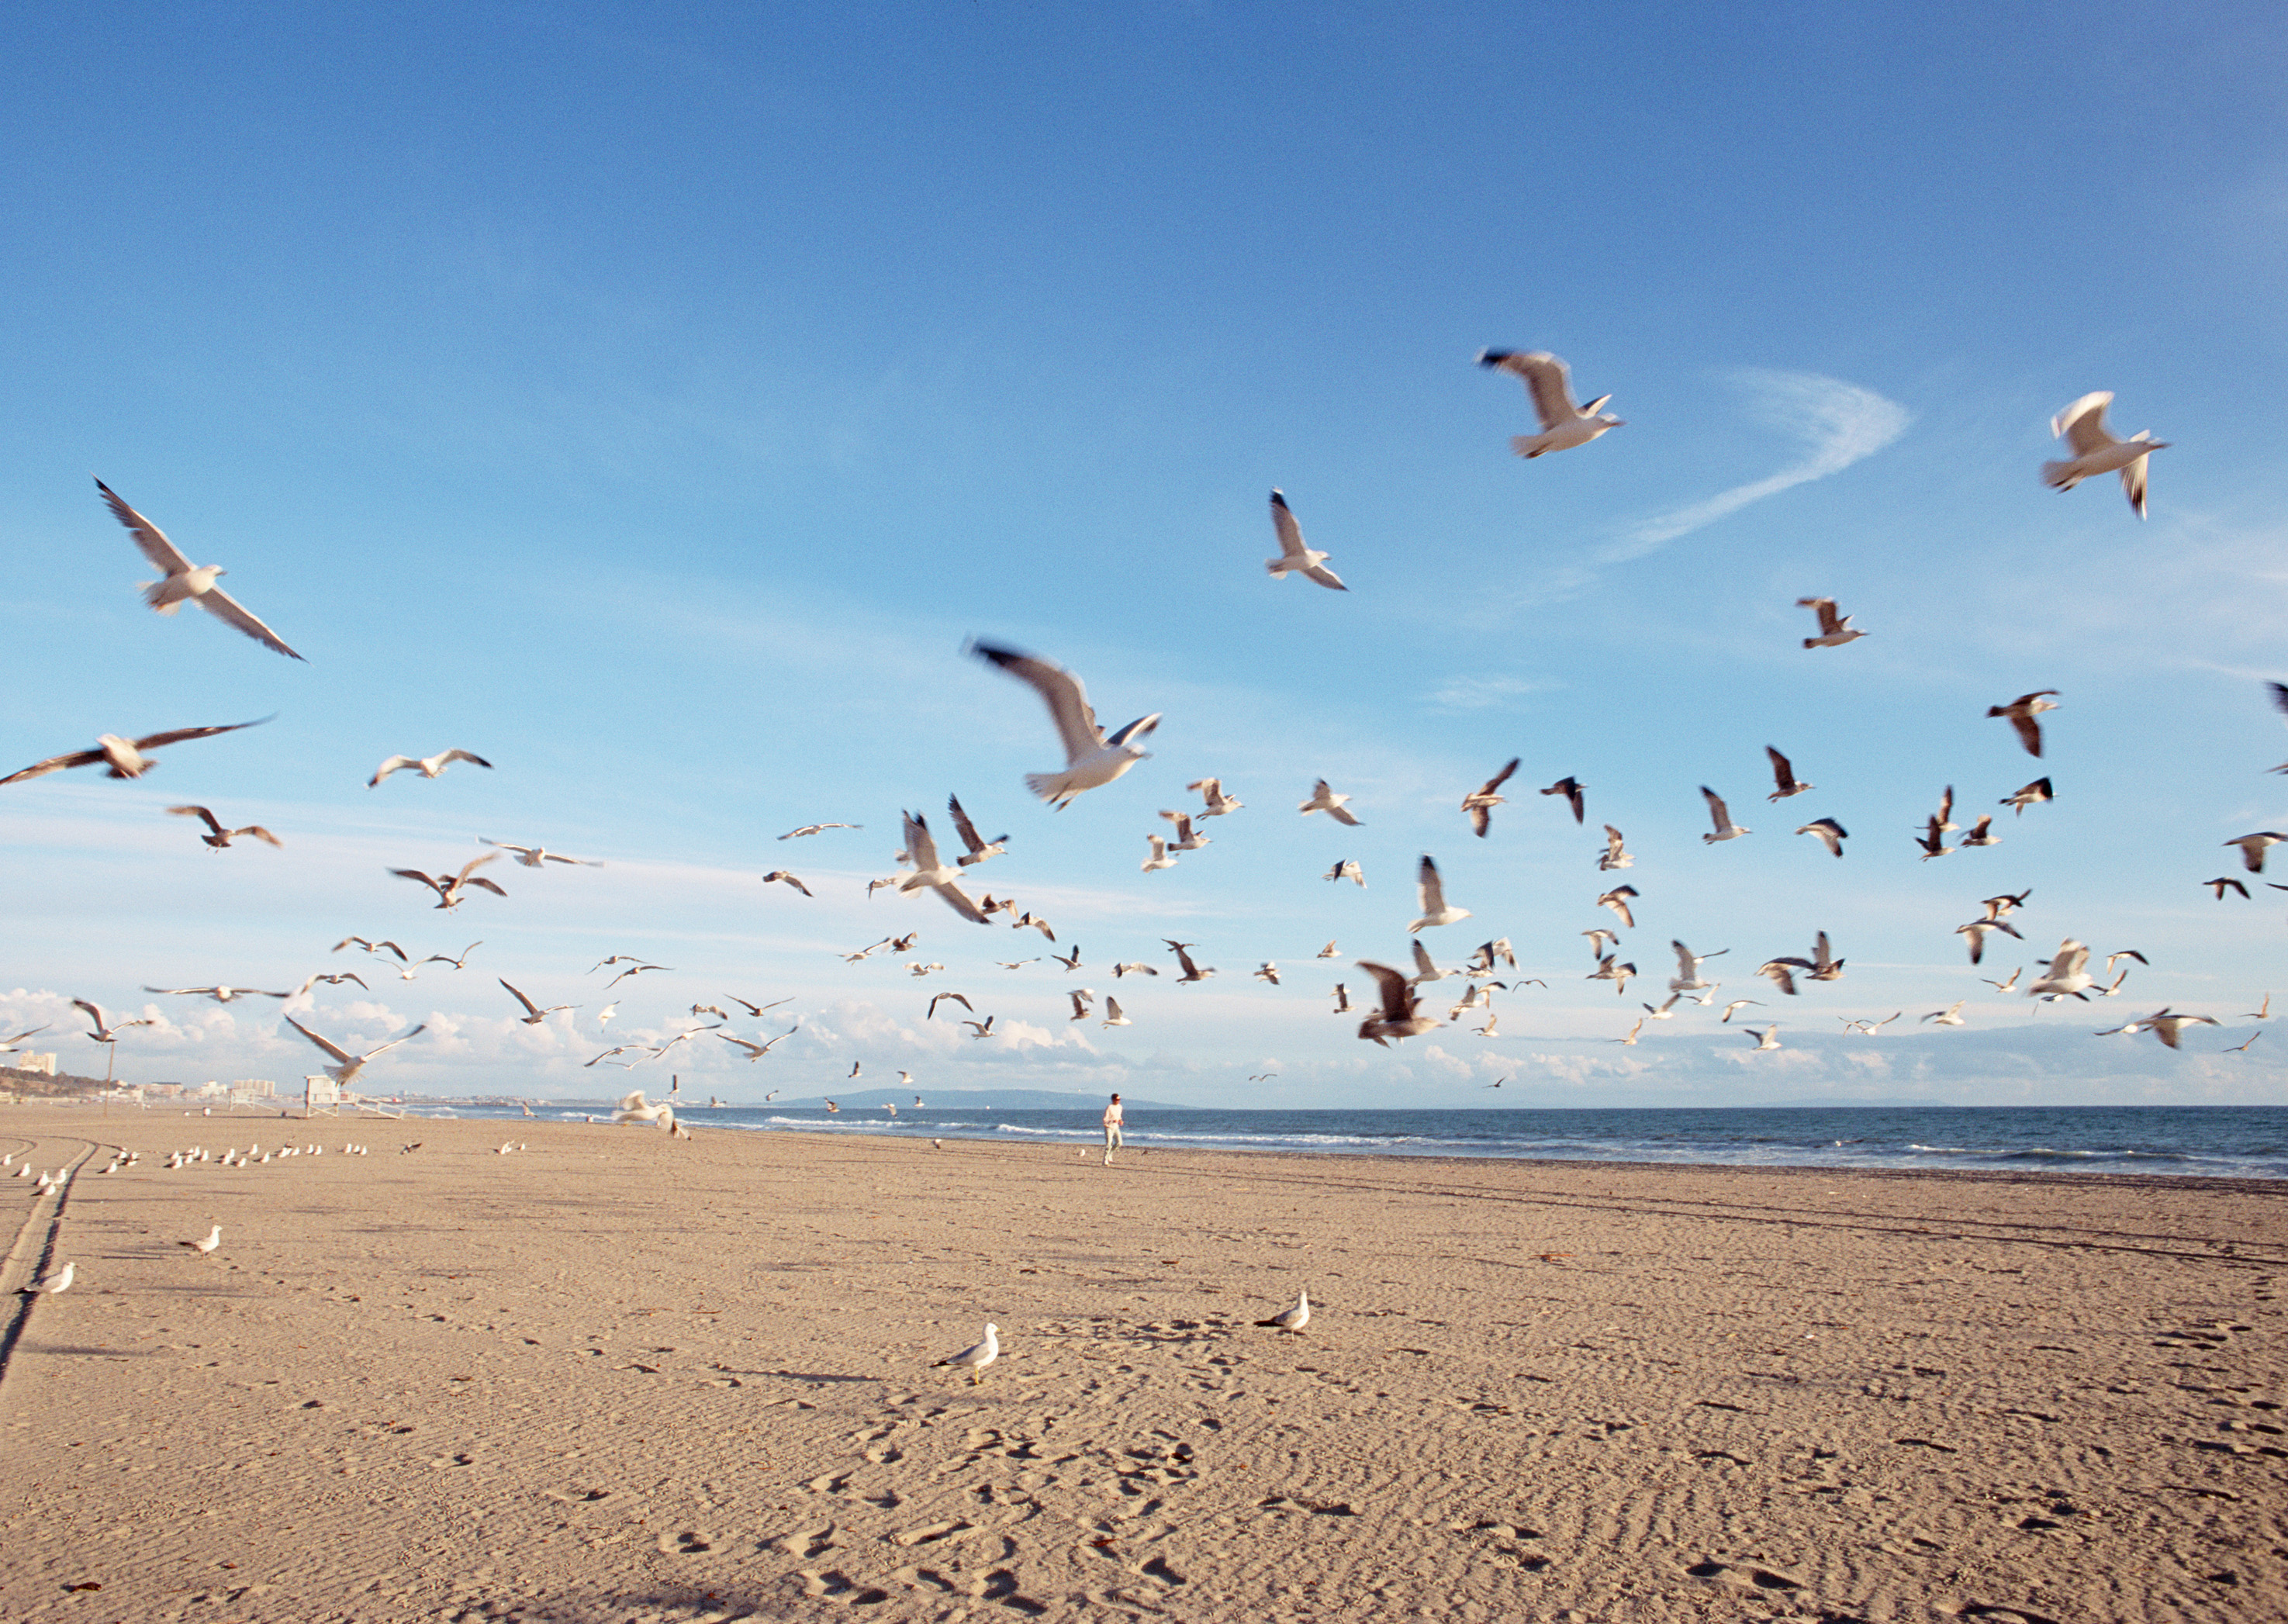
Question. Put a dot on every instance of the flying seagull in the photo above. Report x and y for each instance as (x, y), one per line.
(1619, 900)
(2031, 795)
(1344, 869)
(533, 857)
(106, 1030)
(1616, 853)
(124, 757)
(220, 994)
(781, 877)
(1834, 630)
(980, 849)
(981, 1028)
(1218, 803)
(218, 836)
(1687, 968)
(2068, 975)
(1979, 930)
(1783, 779)
(633, 968)
(448, 887)
(1831, 834)
(1325, 799)
(1436, 909)
(1570, 788)
(2022, 712)
(1192, 972)
(1112, 1015)
(429, 766)
(1399, 1015)
(1188, 839)
(1293, 556)
(2095, 451)
(1091, 757)
(949, 998)
(1563, 425)
(533, 1013)
(813, 829)
(929, 873)
(184, 582)
(755, 1051)
(1951, 1016)
(2253, 847)
(347, 1064)
(1769, 1038)
(1725, 829)
(1481, 802)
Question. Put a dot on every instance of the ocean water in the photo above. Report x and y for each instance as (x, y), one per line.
(2211, 1141)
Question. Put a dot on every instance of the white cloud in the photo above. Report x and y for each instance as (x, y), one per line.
(1467, 693)
(1841, 423)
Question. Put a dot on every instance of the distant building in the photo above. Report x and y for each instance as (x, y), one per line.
(45, 1064)
(249, 1091)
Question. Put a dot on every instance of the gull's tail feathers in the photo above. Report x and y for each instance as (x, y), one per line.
(1527, 445)
(1050, 786)
(2060, 476)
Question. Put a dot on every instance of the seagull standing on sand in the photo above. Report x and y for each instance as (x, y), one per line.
(1294, 1319)
(1547, 379)
(1091, 757)
(123, 757)
(54, 1284)
(2022, 712)
(1725, 829)
(1436, 909)
(213, 1239)
(428, 766)
(1325, 799)
(184, 582)
(1481, 802)
(1294, 556)
(1834, 631)
(2095, 451)
(976, 1358)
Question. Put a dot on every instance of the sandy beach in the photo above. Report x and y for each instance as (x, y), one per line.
(618, 1377)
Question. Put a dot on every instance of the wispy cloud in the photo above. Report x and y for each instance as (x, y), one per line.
(1483, 693)
(1840, 424)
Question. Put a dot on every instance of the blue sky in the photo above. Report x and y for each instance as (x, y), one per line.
(656, 399)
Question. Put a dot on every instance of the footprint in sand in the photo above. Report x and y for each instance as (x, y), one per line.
(1755, 1578)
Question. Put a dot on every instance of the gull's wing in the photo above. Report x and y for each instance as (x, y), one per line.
(1717, 809)
(328, 1044)
(1500, 778)
(530, 1007)
(230, 612)
(1422, 962)
(1783, 770)
(387, 767)
(1291, 533)
(1823, 607)
(1112, 1005)
(1432, 890)
(196, 811)
(178, 991)
(54, 763)
(753, 1050)
(1821, 954)
(94, 1011)
(2132, 483)
(415, 874)
(151, 741)
(1066, 699)
(475, 863)
(2030, 730)
(1546, 379)
(959, 902)
(261, 833)
(2082, 425)
(963, 825)
(467, 756)
(1685, 962)
(2071, 958)
(1397, 1002)
(920, 842)
(505, 845)
(163, 554)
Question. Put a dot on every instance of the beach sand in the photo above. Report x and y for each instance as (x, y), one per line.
(621, 1376)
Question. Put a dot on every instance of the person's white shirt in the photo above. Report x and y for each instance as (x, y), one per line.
(1112, 1117)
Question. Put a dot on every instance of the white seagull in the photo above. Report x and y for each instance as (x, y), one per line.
(185, 582)
(2022, 712)
(1481, 802)
(123, 757)
(1344, 869)
(218, 836)
(2068, 975)
(1831, 834)
(976, 1358)
(980, 849)
(1325, 799)
(1769, 1038)
(347, 1064)
(212, 1241)
(1293, 1319)
(930, 874)
(1950, 1016)
(1293, 556)
(532, 857)
(429, 766)
(1834, 630)
(1725, 829)
(1091, 757)
(1785, 781)
(54, 1284)
(1436, 909)
(106, 1030)
(1187, 839)
(1399, 1015)
(1563, 425)
(2095, 450)
(1112, 1015)
(533, 1013)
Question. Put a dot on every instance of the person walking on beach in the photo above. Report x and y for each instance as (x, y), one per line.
(1112, 1140)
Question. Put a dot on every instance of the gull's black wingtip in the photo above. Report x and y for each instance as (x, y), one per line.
(1494, 358)
(992, 651)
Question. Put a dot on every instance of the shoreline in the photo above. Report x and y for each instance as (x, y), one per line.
(620, 1376)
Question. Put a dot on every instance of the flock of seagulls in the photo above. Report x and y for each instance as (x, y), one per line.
(1095, 759)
